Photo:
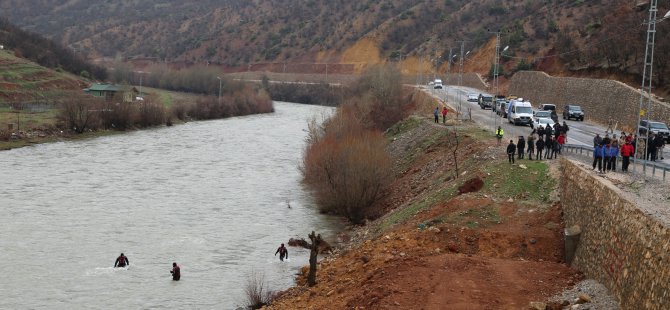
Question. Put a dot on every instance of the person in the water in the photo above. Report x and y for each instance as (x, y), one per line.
(121, 261)
(283, 252)
(176, 272)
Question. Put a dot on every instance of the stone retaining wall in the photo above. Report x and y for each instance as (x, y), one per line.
(619, 246)
(601, 99)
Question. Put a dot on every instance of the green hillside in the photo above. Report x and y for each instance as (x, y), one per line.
(22, 81)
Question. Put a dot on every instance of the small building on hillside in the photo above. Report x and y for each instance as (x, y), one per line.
(110, 91)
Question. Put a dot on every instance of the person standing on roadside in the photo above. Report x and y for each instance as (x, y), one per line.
(596, 140)
(614, 153)
(436, 113)
(651, 148)
(659, 144)
(548, 146)
(531, 146)
(511, 148)
(499, 134)
(539, 145)
(548, 132)
(606, 157)
(555, 148)
(598, 157)
(521, 146)
(561, 141)
(444, 115)
(627, 151)
(565, 130)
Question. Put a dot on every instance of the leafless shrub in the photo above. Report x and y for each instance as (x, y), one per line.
(257, 292)
(347, 167)
(80, 112)
(151, 112)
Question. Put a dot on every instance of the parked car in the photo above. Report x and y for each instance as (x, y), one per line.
(485, 101)
(542, 114)
(573, 111)
(547, 107)
(499, 102)
(654, 127)
(541, 121)
(473, 97)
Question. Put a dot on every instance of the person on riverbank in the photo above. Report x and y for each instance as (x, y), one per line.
(511, 149)
(121, 261)
(520, 147)
(531, 146)
(436, 113)
(176, 272)
(283, 252)
(444, 115)
(499, 134)
(565, 129)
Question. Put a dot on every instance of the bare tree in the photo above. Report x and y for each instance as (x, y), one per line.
(314, 251)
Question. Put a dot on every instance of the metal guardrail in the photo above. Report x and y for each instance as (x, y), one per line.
(584, 150)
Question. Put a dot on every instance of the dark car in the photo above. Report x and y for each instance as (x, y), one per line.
(547, 107)
(573, 111)
(485, 101)
(658, 128)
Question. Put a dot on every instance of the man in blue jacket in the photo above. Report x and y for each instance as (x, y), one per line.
(606, 157)
(598, 157)
(614, 152)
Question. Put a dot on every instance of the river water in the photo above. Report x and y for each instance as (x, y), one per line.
(210, 195)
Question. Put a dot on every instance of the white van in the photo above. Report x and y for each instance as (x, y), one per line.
(520, 112)
(437, 84)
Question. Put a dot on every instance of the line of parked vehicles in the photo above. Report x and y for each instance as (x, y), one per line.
(518, 111)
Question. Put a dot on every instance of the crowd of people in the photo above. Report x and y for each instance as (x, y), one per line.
(606, 150)
(547, 142)
(543, 142)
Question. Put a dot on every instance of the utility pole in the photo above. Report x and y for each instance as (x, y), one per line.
(460, 79)
(647, 77)
(496, 61)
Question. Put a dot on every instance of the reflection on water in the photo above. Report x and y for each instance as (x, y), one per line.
(211, 196)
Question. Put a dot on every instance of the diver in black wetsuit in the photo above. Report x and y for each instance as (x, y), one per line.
(121, 261)
(283, 252)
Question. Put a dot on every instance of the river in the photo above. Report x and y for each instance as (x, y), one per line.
(211, 196)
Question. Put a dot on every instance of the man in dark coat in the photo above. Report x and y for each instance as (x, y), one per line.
(511, 149)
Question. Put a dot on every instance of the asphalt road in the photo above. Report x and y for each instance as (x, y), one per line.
(580, 133)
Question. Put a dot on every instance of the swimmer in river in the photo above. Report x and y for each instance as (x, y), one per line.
(176, 272)
(121, 261)
(283, 252)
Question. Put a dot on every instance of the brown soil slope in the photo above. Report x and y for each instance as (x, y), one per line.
(496, 248)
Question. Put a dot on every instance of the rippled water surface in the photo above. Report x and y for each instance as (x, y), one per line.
(211, 196)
